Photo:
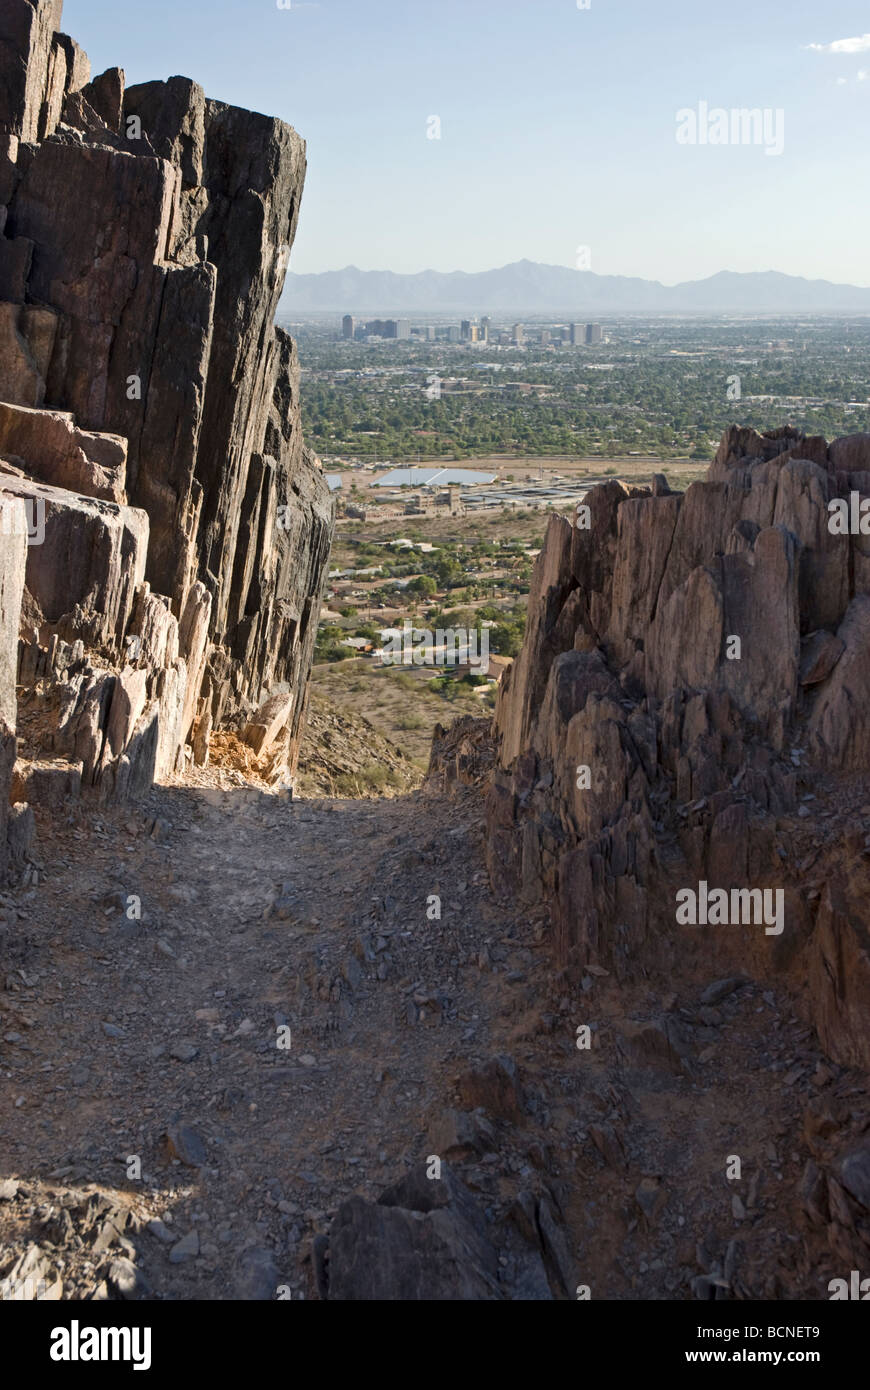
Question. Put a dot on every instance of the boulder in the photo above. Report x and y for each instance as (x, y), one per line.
(421, 1241)
(54, 451)
(261, 732)
(84, 572)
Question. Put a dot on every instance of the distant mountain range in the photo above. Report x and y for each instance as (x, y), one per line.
(531, 288)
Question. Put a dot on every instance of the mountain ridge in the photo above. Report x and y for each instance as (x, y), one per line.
(534, 287)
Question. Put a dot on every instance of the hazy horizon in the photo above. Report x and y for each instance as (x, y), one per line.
(529, 260)
(529, 288)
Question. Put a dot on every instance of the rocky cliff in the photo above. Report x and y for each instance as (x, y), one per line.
(692, 704)
(681, 785)
(149, 415)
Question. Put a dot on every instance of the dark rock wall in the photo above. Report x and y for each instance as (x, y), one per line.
(694, 754)
(144, 238)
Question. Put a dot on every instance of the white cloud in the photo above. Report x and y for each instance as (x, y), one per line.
(863, 75)
(841, 82)
(857, 45)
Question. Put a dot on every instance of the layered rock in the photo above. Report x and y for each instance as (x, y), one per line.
(149, 410)
(684, 655)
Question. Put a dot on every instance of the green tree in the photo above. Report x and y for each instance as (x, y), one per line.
(424, 585)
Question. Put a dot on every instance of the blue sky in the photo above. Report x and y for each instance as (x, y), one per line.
(557, 125)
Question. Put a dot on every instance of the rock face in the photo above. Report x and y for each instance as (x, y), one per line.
(684, 654)
(387, 1252)
(429, 1241)
(149, 410)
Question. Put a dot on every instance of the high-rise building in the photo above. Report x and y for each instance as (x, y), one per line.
(484, 329)
(403, 328)
(578, 333)
(519, 334)
(475, 333)
(429, 333)
(453, 334)
(593, 332)
(347, 326)
(465, 328)
(545, 337)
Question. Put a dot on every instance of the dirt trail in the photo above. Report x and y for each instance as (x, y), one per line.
(259, 915)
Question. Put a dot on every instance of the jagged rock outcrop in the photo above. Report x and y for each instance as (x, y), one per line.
(426, 1238)
(461, 754)
(686, 657)
(420, 1241)
(149, 412)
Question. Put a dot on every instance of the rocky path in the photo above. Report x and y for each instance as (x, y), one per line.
(226, 1013)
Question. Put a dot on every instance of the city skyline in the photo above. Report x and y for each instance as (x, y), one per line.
(470, 332)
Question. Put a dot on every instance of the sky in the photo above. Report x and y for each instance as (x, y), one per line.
(558, 126)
